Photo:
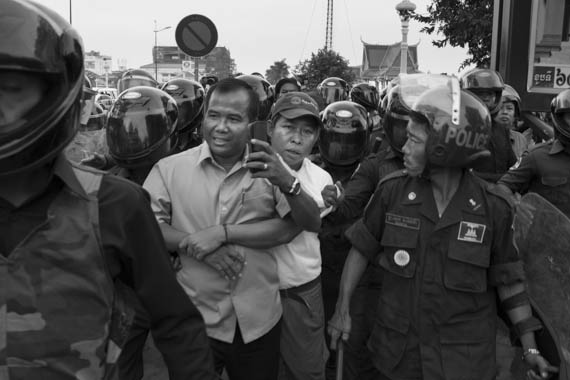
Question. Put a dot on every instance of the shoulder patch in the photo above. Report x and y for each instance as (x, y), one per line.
(496, 190)
(393, 175)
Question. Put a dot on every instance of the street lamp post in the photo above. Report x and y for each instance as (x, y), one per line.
(404, 9)
(155, 49)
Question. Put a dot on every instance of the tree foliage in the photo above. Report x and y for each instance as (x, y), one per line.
(279, 69)
(324, 64)
(462, 23)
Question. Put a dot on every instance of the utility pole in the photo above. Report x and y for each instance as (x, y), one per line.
(329, 30)
(156, 49)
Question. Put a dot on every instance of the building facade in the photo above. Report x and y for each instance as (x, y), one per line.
(170, 62)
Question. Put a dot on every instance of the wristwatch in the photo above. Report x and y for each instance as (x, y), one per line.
(295, 187)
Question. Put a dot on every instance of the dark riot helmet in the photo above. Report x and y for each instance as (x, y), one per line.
(141, 127)
(333, 90)
(559, 106)
(264, 91)
(38, 42)
(344, 136)
(458, 122)
(365, 95)
(135, 77)
(396, 118)
(482, 83)
(189, 96)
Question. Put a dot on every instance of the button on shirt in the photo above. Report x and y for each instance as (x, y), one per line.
(191, 192)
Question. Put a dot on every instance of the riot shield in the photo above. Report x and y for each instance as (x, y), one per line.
(542, 236)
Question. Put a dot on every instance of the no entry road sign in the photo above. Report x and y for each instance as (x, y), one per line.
(196, 35)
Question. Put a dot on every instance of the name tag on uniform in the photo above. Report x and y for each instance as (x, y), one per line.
(471, 232)
(403, 221)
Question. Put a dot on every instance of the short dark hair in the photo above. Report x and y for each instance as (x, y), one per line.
(228, 85)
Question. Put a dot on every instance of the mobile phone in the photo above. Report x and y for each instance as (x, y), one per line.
(258, 131)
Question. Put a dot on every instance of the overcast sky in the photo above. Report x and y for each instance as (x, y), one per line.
(257, 32)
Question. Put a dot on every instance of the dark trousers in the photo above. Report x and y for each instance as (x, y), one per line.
(357, 358)
(257, 360)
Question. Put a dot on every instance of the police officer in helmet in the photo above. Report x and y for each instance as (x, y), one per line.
(333, 89)
(444, 241)
(82, 238)
(488, 86)
(545, 170)
(189, 96)
(141, 130)
(368, 97)
(342, 144)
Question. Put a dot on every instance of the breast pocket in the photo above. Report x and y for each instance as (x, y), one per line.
(257, 202)
(399, 247)
(466, 266)
(556, 189)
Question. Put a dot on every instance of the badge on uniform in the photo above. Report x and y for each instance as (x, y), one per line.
(471, 232)
(402, 221)
(401, 258)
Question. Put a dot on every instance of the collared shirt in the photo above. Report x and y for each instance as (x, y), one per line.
(299, 261)
(190, 191)
(134, 251)
(437, 306)
(545, 170)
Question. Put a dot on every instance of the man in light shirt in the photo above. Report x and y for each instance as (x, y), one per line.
(294, 131)
(209, 204)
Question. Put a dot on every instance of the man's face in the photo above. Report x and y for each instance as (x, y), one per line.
(506, 115)
(225, 126)
(19, 93)
(294, 139)
(415, 157)
(488, 97)
(287, 87)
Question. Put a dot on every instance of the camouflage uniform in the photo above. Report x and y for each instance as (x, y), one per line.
(55, 284)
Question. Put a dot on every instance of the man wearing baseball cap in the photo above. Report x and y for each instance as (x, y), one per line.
(294, 131)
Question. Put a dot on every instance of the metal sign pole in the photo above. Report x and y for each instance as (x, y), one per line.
(196, 73)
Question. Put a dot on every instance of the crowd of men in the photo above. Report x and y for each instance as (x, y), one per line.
(255, 229)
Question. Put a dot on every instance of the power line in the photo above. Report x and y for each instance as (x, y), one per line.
(350, 31)
(308, 30)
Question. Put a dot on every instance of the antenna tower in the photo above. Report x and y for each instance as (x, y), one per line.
(329, 31)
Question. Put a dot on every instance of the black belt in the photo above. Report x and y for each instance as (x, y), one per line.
(293, 293)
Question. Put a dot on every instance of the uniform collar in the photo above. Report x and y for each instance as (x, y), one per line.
(467, 199)
(63, 169)
(556, 148)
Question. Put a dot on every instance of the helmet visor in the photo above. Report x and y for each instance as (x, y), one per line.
(134, 81)
(414, 85)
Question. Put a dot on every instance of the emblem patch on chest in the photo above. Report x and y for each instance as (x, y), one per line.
(471, 232)
(403, 221)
